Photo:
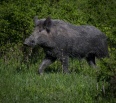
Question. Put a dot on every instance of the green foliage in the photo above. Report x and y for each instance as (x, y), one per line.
(15, 22)
(16, 16)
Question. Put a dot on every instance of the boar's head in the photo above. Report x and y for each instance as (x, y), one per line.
(40, 35)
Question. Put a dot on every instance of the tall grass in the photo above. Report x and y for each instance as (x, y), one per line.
(20, 83)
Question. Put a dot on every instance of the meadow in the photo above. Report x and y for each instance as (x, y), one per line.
(20, 83)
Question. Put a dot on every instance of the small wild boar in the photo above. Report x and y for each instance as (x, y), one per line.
(61, 40)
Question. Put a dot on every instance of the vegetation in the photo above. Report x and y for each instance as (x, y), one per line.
(19, 81)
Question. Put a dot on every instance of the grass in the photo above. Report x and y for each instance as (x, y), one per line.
(49, 88)
(19, 84)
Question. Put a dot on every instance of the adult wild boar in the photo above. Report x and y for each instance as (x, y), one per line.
(61, 40)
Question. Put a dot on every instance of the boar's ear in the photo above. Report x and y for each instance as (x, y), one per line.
(35, 20)
(47, 24)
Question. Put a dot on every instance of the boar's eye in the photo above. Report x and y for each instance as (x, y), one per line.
(39, 30)
(32, 41)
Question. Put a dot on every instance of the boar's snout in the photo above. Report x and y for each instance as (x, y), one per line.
(25, 44)
(28, 42)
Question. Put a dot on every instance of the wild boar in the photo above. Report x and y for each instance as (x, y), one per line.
(61, 40)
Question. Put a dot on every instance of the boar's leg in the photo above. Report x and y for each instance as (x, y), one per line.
(46, 62)
(91, 60)
(64, 61)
